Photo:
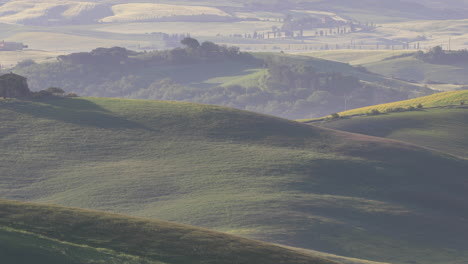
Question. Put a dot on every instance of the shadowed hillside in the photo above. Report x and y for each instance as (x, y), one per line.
(239, 172)
(32, 233)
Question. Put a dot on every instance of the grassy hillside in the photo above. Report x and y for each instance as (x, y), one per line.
(443, 129)
(435, 100)
(32, 233)
(238, 172)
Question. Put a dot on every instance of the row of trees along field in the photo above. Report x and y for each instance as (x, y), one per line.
(437, 55)
(286, 87)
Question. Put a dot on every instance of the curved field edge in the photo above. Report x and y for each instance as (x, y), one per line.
(442, 129)
(452, 98)
(126, 237)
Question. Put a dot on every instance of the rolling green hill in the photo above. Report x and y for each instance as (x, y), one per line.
(32, 233)
(443, 129)
(238, 172)
(442, 126)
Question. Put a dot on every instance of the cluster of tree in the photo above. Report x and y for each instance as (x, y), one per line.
(99, 56)
(437, 55)
(16, 86)
(13, 86)
(173, 40)
(192, 52)
(395, 110)
(306, 77)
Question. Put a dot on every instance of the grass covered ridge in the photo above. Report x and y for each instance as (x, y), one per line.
(238, 172)
(81, 236)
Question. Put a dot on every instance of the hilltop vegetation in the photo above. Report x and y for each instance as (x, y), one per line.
(238, 172)
(51, 234)
(282, 85)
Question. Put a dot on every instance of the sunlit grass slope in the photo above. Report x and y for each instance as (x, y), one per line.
(239, 172)
(435, 100)
(32, 233)
(444, 129)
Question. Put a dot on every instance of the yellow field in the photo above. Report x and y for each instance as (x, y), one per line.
(194, 28)
(146, 11)
(68, 43)
(440, 99)
(19, 11)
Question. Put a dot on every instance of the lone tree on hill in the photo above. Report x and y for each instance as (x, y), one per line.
(191, 43)
(13, 86)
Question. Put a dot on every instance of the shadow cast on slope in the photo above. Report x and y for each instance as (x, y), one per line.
(74, 111)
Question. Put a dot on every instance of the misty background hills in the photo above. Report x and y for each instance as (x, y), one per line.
(52, 12)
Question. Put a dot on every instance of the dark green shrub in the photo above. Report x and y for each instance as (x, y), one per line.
(374, 112)
(71, 95)
(55, 90)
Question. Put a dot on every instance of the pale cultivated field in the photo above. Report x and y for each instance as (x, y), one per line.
(68, 43)
(259, 15)
(11, 58)
(146, 11)
(195, 29)
(434, 32)
(19, 11)
(356, 57)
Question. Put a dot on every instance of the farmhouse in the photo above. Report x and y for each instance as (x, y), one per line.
(11, 46)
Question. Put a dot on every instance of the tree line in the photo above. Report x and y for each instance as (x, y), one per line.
(437, 55)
